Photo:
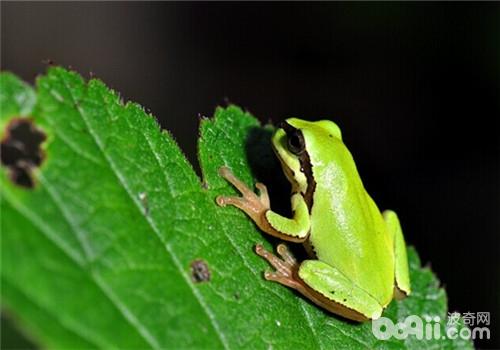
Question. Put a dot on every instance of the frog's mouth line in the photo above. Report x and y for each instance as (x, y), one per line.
(289, 173)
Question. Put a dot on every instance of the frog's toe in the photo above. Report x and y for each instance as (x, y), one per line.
(285, 253)
(238, 202)
(263, 194)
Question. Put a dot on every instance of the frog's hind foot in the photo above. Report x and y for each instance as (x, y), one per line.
(286, 266)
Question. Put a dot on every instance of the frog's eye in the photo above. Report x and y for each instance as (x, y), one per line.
(296, 143)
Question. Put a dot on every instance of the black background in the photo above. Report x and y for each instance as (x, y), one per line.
(414, 87)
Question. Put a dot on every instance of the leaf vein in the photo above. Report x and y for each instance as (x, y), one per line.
(75, 329)
(197, 295)
(124, 311)
(127, 314)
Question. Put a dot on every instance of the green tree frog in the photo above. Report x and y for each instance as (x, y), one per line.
(357, 254)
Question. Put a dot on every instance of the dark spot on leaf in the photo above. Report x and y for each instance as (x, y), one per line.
(237, 296)
(200, 271)
(345, 299)
(20, 150)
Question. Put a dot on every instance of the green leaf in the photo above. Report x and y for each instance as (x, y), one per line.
(100, 252)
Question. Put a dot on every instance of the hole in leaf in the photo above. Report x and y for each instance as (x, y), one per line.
(200, 271)
(20, 150)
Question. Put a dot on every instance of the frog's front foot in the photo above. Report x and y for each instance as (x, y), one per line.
(253, 205)
(286, 266)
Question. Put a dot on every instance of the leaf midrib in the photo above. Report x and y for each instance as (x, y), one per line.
(195, 292)
(151, 224)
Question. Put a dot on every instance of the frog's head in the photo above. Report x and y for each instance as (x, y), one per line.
(298, 144)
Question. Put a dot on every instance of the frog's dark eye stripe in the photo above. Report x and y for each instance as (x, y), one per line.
(297, 145)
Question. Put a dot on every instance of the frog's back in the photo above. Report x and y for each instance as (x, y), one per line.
(347, 229)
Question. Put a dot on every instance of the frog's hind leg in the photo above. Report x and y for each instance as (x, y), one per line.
(401, 272)
(332, 291)
(337, 293)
